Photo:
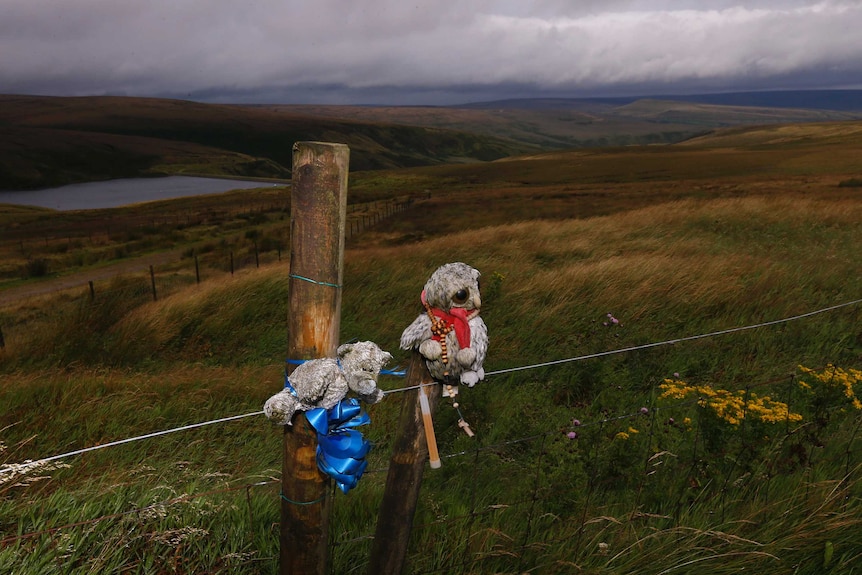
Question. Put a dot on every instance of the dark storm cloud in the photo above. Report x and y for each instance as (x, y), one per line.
(406, 51)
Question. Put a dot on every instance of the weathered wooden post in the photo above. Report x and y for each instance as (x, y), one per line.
(406, 467)
(317, 220)
(153, 283)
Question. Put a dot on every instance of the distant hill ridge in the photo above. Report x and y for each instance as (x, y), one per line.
(838, 100)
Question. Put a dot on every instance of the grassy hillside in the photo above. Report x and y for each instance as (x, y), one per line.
(574, 123)
(823, 139)
(44, 157)
(735, 162)
(61, 140)
(846, 100)
(553, 128)
(712, 115)
(671, 242)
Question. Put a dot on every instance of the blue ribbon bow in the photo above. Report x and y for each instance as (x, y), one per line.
(341, 450)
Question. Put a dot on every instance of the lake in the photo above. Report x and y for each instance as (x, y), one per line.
(122, 192)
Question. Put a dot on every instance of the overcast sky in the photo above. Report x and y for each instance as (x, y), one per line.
(424, 52)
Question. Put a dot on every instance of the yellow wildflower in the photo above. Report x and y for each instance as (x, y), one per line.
(731, 406)
(836, 377)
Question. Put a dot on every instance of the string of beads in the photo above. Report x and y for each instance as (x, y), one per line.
(440, 328)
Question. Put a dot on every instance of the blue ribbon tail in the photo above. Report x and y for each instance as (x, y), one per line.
(341, 450)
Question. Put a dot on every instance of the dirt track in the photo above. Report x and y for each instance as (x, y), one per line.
(80, 279)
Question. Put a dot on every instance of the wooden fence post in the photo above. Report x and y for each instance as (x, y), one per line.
(404, 478)
(153, 282)
(317, 220)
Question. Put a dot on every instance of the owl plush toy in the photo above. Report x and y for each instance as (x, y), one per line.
(450, 335)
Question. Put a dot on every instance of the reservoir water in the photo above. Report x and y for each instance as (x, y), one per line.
(122, 192)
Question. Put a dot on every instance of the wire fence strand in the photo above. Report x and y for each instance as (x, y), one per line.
(17, 468)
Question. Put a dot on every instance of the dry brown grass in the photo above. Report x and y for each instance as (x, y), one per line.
(727, 256)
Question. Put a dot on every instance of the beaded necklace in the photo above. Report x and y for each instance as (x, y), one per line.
(440, 328)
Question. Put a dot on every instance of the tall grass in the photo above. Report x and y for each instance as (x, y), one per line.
(521, 496)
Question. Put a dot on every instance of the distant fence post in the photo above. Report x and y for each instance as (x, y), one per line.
(317, 217)
(92, 290)
(153, 282)
(197, 270)
(2, 339)
(404, 478)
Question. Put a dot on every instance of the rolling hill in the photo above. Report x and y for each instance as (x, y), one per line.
(48, 141)
(558, 123)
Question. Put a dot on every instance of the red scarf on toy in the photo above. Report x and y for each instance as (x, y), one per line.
(456, 317)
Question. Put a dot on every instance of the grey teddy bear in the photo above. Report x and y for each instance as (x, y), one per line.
(325, 382)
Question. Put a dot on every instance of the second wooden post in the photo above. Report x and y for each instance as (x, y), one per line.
(406, 468)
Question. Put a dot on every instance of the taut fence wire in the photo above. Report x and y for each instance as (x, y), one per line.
(11, 469)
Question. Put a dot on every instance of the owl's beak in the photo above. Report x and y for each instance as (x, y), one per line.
(477, 302)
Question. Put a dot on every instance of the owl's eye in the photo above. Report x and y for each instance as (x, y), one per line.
(461, 296)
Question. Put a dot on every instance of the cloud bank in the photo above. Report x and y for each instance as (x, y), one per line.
(277, 50)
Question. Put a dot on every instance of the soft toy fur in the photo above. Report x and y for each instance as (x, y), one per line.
(325, 382)
(452, 297)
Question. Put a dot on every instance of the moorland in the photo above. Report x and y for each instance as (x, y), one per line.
(707, 455)
(47, 141)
